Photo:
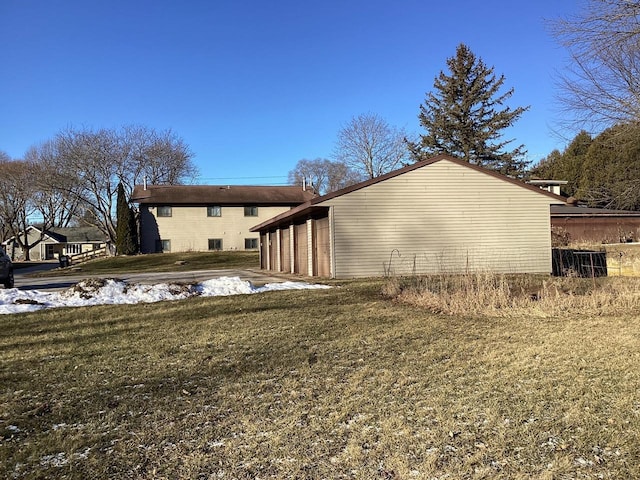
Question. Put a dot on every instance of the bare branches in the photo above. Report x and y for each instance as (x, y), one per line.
(602, 84)
(85, 167)
(368, 144)
(324, 175)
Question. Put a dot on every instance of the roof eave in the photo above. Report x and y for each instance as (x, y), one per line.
(303, 211)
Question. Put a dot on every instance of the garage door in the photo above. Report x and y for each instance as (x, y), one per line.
(321, 250)
(301, 259)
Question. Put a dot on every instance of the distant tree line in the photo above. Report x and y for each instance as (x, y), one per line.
(603, 171)
(74, 178)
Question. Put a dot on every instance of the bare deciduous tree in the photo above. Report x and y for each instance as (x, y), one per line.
(602, 84)
(5, 231)
(341, 176)
(21, 200)
(87, 166)
(324, 175)
(57, 207)
(368, 144)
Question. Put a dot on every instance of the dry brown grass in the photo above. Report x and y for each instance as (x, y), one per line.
(495, 295)
(339, 383)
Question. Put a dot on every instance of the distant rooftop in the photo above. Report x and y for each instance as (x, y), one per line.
(552, 186)
(578, 211)
(220, 195)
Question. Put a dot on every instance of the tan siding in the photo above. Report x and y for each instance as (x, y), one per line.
(441, 218)
(189, 228)
(273, 251)
(301, 259)
(310, 243)
(292, 248)
(285, 250)
(321, 248)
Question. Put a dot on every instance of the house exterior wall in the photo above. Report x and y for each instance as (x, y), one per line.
(441, 218)
(35, 253)
(189, 228)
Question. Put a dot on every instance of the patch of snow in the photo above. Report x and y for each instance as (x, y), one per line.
(111, 292)
(57, 460)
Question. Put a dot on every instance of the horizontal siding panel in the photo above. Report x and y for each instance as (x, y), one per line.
(443, 217)
(189, 228)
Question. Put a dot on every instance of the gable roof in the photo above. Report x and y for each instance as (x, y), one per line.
(219, 195)
(312, 205)
(45, 234)
(85, 234)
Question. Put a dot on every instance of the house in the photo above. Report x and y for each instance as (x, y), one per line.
(574, 225)
(58, 241)
(180, 218)
(441, 215)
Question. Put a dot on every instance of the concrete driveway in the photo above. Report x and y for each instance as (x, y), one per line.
(24, 280)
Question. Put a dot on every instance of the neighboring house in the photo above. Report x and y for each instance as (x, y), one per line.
(58, 241)
(181, 218)
(575, 225)
(441, 215)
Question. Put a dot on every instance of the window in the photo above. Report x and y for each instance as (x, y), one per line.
(215, 244)
(250, 211)
(164, 211)
(250, 243)
(163, 246)
(73, 248)
(214, 211)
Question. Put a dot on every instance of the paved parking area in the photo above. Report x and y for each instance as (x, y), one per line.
(24, 281)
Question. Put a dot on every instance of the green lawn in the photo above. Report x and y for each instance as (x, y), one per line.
(339, 383)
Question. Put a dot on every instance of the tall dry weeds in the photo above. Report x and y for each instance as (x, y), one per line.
(499, 295)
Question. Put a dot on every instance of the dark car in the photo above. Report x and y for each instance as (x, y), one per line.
(6, 269)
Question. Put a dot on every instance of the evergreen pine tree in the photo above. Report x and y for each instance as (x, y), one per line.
(610, 175)
(465, 115)
(126, 230)
(567, 165)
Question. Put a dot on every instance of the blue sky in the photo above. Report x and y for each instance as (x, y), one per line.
(254, 86)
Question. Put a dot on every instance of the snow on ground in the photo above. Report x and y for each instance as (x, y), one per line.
(111, 291)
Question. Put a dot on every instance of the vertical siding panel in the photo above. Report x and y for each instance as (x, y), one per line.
(310, 240)
(301, 256)
(292, 247)
(332, 256)
(273, 250)
(321, 257)
(285, 250)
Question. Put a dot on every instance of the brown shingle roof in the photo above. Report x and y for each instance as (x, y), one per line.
(219, 195)
(79, 234)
